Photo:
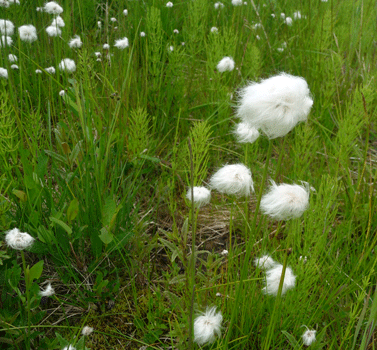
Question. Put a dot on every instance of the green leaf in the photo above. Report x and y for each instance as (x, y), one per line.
(62, 224)
(73, 210)
(109, 210)
(106, 236)
(20, 194)
(291, 338)
(36, 271)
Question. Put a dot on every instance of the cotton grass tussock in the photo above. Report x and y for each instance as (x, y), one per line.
(273, 276)
(4, 73)
(75, 42)
(246, 134)
(28, 33)
(265, 262)
(121, 44)
(67, 65)
(233, 179)
(52, 8)
(308, 338)
(202, 196)
(226, 64)
(207, 326)
(18, 240)
(284, 202)
(6, 27)
(275, 105)
(53, 31)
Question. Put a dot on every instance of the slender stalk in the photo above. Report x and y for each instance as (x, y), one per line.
(27, 282)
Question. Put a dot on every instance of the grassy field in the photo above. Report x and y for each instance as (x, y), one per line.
(96, 161)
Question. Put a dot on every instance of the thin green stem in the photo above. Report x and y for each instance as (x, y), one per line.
(27, 285)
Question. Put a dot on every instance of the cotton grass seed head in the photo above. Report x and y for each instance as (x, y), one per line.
(106, 46)
(265, 262)
(12, 58)
(308, 337)
(275, 105)
(6, 27)
(284, 202)
(245, 133)
(4, 3)
(49, 291)
(202, 196)
(237, 2)
(121, 44)
(69, 347)
(67, 65)
(142, 34)
(288, 21)
(125, 12)
(50, 70)
(53, 8)
(14, 66)
(28, 33)
(87, 330)
(53, 31)
(58, 22)
(214, 30)
(18, 240)
(233, 179)
(5, 41)
(3, 73)
(169, 4)
(226, 64)
(75, 42)
(273, 276)
(207, 326)
(218, 5)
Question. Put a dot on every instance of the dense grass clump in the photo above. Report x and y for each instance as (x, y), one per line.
(168, 182)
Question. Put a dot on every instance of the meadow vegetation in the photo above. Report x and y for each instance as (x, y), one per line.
(97, 162)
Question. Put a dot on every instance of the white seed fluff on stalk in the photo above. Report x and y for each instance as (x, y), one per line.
(5, 41)
(53, 8)
(17, 2)
(218, 5)
(125, 12)
(18, 240)
(226, 64)
(75, 42)
(308, 337)
(12, 58)
(284, 201)
(237, 2)
(106, 46)
(48, 291)
(246, 133)
(53, 31)
(207, 326)
(4, 3)
(142, 34)
(28, 33)
(58, 22)
(264, 262)
(214, 30)
(233, 179)
(288, 21)
(6, 27)
(113, 19)
(50, 70)
(297, 15)
(3, 73)
(61, 93)
(69, 347)
(169, 4)
(38, 71)
(67, 65)
(14, 66)
(121, 44)
(273, 276)
(275, 105)
(202, 196)
(87, 330)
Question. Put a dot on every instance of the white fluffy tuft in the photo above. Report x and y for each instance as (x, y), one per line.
(18, 240)
(28, 33)
(207, 326)
(273, 276)
(226, 64)
(246, 133)
(202, 196)
(264, 262)
(308, 337)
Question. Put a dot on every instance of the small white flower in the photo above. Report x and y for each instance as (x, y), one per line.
(245, 133)
(50, 70)
(273, 277)
(284, 202)
(3, 73)
(53, 31)
(113, 19)
(308, 337)
(121, 43)
(176, 31)
(6, 27)
(18, 240)
(214, 30)
(67, 65)
(245, 3)
(5, 41)
(226, 64)
(4, 3)
(14, 66)
(224, 252)
(233, 179)
(207, 326)
(69, 347)
(125, 12)
(237, 2)
(169, 4)
(142, 34)
(218, 5)
(53, 8)
(106, 46)
(61, 93)
(58, 22)
(75, 42)
(265, 262)
(48, 291)
(87, 330)
(288, 21)
(297, 15)
(275, 105)
(38, 71)
(202, 196)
